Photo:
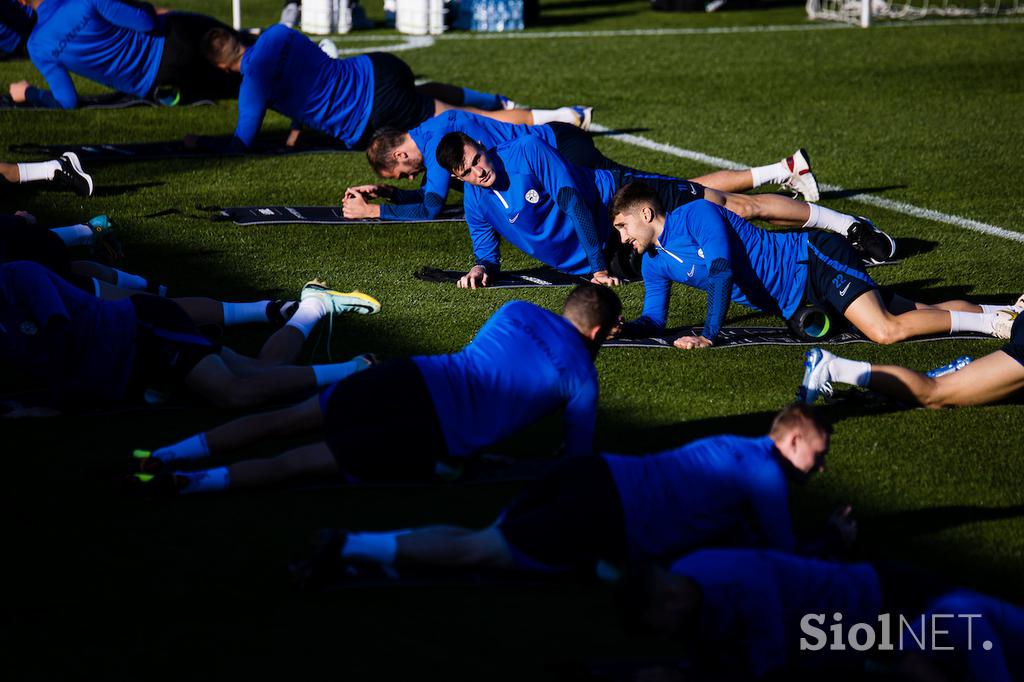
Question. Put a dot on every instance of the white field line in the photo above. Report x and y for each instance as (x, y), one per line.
(888, 204)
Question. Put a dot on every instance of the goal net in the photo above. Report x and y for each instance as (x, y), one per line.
(863, 12)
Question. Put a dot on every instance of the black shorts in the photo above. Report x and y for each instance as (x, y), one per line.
(673, 192)
(168, 345)
(183, 65)
(381, 424)
(36, 244)
(577, 147)
(571, 518)
(1015, 348)
(835, 272)
(396, 103)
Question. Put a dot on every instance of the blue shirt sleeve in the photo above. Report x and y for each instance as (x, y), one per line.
(39, 97)
(657, 290)
(63, 90)
(427, 208)
(709, 229)
(138, 17)
(580, 419)
(252, 107)
(486, 242)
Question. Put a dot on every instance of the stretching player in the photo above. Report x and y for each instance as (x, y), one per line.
(556, 212)
(127, 46)
(65, 172)
(91, 351)
(985, 380)
(616, 508)
(399, 420)
(395, 154)
(345, 98)
(707, 247)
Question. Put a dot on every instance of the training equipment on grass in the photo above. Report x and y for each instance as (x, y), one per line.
(113, 100)
(731, 337)
(315, 215)
(145, 151)
(513, 279)
(864, 12)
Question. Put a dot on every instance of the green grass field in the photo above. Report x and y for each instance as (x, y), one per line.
(928, 115)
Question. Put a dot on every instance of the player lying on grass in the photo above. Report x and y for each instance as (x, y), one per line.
(402, 419)
(614, 507)
(127, 46)
(524, 191)
(986, 380)
(91, 352)
(65, 172)
(395, 154)
(345, 98)
(705, 246)
(743, 614)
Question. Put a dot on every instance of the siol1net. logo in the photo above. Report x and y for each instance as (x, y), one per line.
(931, 632)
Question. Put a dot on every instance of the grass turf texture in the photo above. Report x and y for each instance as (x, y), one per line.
(197, 587)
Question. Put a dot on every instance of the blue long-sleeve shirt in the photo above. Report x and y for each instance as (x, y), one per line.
(107, 41)
(16, 23)
(753, 602)
(427, 202)
(968, 620)
(708, 247)
(542, 204)
(712, 490)
(524, 363)
(285, 71)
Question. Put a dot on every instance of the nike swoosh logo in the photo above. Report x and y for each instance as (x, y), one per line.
(693, 269)
(514, 218)
(842, 292)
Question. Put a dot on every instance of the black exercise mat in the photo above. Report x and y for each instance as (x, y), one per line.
(113, 100)
(731, 337)
(512, 279)
(315, 215)
(176, 149)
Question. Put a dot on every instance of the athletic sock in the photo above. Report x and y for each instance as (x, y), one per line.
(331, 374)
(193, 447)
(562, 115)
(33, 172)
(481, 100)
(970, 322)
(378, 547)
(126, 280)
(307, 315)
(205, 481)
(992, 309)
(74, 235)
(852, 372)
(827, 219)
(777, 172)
(243, 313)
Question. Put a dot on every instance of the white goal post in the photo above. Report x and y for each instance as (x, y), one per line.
(864, 12)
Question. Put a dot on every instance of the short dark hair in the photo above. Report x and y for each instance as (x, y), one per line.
(451, 151)
(222, 45)
(634, 195)
(799, 414)
(593, 305)
(384, 141)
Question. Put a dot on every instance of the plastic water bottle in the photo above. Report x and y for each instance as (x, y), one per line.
(954, 366)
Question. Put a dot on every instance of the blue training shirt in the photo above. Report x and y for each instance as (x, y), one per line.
(81, 346)
(999, 623)
(108, 41)
(285, 71)
(522, 206)
(765, 270)
(723, 488)
(753, 602)
(427, 202)
(524, 363)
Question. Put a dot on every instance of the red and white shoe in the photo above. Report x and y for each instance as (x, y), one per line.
(801, 179)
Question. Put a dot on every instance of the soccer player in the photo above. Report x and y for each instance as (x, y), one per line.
(126, 46)
(394, 154)
(345, 98)
(615, 508)
(65, 172)
(417, 417)
(556, 212)
(91, 352)
(985, 380)
(708, 247)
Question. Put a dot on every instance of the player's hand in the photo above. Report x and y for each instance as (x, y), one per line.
(845, 524)
(27, 217)
(688, 342)
(191, 141)
(476, 277)
(355, 207)
(293, 138)
(371, 191)
(614, 332)
(18, 90)
(602, 277)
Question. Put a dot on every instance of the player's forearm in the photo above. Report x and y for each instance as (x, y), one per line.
(427, 208)
(719, 289)
(571, 203)
(38, 97)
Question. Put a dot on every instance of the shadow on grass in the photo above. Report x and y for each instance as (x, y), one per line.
(924, 291)
(120, 190)
(914, 522)
(619, 131)
(852, 192)
(911, 246)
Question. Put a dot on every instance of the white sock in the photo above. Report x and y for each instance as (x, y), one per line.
(562, 115)
(992, 309)
(193, 447)
(852, 372)
(332, 374)
(74, 235)
(970, 322)
(777, 172)
(206, 481)
(307, 315)
(126, 280)
(827, 219)
(378, 547)
(33, 172)
(243, 313)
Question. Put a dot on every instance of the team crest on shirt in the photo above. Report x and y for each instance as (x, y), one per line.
(532, 196)
(28, 328)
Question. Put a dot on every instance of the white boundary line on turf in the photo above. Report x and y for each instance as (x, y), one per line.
(888, 204)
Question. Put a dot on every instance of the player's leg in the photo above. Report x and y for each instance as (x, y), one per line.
(308, 460)
(65, 171)
(465, 97)
(793, 172)
(577, 116)
(868, 314)
(10, 173)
